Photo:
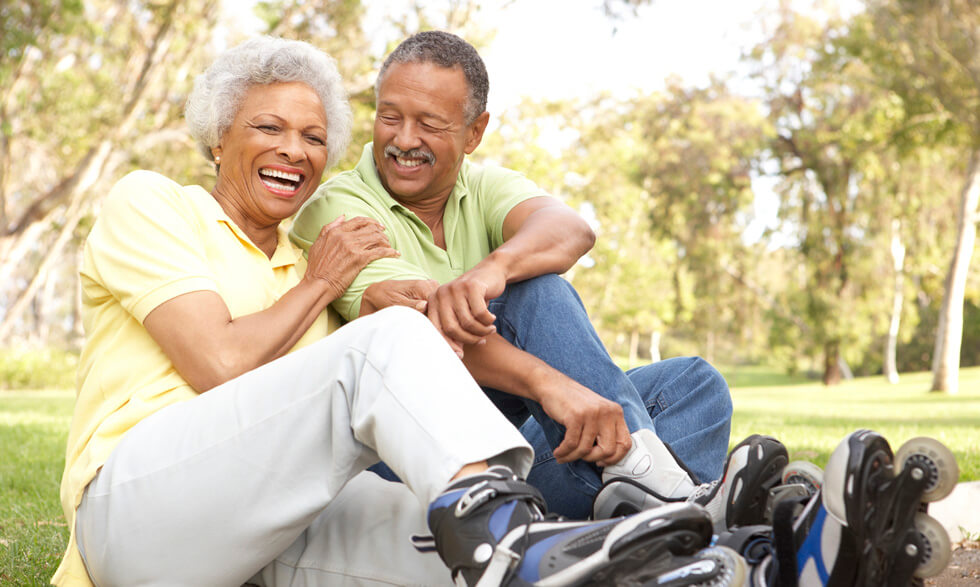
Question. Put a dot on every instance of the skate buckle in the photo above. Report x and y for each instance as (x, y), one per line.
(500, 565)
(477, 495)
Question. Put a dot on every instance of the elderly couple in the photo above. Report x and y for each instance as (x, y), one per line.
(225, 422)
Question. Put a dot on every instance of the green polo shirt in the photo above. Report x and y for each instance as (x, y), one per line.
(473, 223)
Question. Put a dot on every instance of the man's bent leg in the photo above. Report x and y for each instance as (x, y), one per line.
(544, 316)
(210, 490)
(691, 408)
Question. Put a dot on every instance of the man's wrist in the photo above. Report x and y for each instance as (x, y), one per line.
(539, 381)
(500, 260)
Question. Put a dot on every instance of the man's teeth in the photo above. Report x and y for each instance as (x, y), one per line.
(409, 162)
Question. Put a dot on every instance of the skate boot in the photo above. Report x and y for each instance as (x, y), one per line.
(867, 526)
(489, 530)
(739, 498)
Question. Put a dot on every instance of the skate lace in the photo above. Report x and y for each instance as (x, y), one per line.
(703, 493)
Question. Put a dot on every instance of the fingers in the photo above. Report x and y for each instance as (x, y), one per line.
(602, 439)
(460, 311)
(611, 449)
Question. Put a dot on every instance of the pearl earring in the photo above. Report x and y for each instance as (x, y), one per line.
(217, 160)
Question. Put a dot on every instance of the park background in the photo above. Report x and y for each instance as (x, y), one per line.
(787, 188)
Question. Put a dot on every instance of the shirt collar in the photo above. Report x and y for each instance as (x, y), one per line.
(286, 252)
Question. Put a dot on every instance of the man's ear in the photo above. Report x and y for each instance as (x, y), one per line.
(474, 133)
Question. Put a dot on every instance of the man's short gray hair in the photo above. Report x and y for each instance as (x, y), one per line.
(446, 50)
(219, 92)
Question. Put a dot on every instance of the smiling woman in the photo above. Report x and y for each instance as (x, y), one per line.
(271, 158)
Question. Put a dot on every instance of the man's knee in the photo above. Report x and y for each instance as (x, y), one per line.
(549, 288)
(712, 385)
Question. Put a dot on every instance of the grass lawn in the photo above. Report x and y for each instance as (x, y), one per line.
(33, 532)
(812, 419)
(808, 417)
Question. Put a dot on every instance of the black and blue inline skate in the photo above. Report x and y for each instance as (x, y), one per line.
(867, 526)
(490, 530)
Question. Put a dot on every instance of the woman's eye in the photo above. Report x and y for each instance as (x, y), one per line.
(268, 128)
(316, 140)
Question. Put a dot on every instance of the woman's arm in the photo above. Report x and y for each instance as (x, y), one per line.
(208, 347)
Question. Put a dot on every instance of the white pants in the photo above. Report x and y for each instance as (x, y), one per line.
(211, 491)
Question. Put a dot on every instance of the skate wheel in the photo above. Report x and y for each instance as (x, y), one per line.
(936, 548)
(935, 459)
(805, 473)
(733, 569)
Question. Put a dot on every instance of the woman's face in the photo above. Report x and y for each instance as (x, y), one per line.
(273, 154)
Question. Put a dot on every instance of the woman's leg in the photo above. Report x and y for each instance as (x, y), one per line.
(361, 539)
(211, 490)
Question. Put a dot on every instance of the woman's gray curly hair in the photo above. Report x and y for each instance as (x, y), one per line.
(219, 92)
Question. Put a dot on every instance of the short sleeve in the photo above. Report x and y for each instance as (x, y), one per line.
(324, 209)
(499, 191)
(147, 246)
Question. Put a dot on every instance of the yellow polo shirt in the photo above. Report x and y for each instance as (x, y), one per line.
(153, 241)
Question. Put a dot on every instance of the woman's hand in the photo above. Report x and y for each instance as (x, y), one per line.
(342, 249)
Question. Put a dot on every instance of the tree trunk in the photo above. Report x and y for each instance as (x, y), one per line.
(831, 363)
(898, 298)
(949, 334)
(655, 346)
(634, 348)
(23, 301)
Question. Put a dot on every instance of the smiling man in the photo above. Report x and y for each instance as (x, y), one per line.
(481, 250)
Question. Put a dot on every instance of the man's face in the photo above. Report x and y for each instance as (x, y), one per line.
(420, 132)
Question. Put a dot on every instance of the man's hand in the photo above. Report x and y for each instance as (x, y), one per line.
(595, 430)
(413, 293)
(459, 308)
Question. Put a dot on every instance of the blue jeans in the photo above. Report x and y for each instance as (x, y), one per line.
(684, 400)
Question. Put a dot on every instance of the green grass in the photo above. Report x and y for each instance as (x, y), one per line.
(808, 417)
(33, 533)
(811, 419)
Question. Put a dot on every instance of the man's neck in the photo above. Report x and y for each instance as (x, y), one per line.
(430, 211)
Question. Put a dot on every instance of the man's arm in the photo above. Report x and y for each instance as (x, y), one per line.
(595, 429)
(541, 235)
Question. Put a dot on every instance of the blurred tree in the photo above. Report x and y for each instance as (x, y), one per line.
(831, 124)
(667, 176)
(926, 53)
(60, 134)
